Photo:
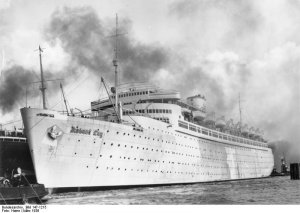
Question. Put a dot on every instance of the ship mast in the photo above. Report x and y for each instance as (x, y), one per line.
(43, 87)
(240, 109)
(115, 64)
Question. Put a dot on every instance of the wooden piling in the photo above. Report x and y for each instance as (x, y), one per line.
(294, 171)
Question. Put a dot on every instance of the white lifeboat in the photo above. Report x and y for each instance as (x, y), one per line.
(245, 129)
(229, 125)
(210, 118)
(251, 131)
(237, 126)
(258, 133)
(220, 123)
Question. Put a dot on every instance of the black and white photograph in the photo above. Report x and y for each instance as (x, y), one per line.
(149, 102)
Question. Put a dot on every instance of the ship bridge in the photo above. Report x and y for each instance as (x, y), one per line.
(133, 93)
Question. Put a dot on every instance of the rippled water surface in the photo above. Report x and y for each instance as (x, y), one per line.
(276, 190)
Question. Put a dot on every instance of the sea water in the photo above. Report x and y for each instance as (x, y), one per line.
(273, 190)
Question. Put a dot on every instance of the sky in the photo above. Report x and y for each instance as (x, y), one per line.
(218, 48)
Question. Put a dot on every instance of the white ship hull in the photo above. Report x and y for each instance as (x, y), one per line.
(103, 153)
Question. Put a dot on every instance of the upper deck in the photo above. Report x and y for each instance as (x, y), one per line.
(12, 136)
(147, 100)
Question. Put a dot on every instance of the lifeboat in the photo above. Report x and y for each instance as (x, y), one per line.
(220, 123)
(258, 133)
(252, 132)
(261, 134)
(229, 125)
(210, 119)
(245, 130)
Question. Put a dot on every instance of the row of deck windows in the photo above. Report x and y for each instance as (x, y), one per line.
(131, 94)
(166, 111)
(217, 135)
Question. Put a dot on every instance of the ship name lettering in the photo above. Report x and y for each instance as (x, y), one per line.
(80, 131)
(98, 133)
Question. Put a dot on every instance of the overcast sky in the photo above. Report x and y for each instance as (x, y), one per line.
(218, 48)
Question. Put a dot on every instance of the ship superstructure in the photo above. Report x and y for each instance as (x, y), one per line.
(142, 135)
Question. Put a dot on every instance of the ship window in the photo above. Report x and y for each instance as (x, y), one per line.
(193, 128)
(156, 110)
(183, 125)
(160, 111)
(164, 111)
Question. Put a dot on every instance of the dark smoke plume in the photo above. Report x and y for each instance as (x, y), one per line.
(14, 83)
(13, 87)
(88, 41)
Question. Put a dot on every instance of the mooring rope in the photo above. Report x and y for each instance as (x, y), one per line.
(32, 188)
(3, 198)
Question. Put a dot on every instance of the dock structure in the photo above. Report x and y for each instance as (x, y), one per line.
(294, 169)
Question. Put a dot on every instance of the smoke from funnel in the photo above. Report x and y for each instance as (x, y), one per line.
(13, 86)
(90, 44)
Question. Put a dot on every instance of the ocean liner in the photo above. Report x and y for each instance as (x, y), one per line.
(141, 135)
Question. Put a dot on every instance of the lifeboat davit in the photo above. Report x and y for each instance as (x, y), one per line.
(220, 123)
